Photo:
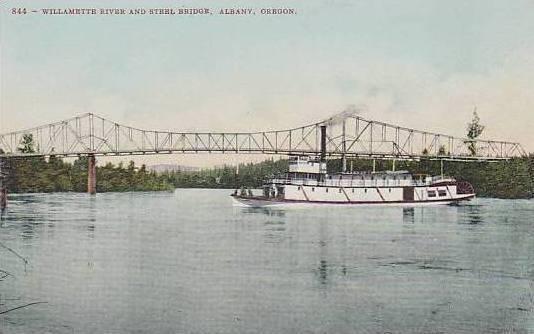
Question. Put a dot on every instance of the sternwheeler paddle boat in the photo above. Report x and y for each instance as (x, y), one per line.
(308, 182)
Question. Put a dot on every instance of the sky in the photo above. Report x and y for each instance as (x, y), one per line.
(422, 64)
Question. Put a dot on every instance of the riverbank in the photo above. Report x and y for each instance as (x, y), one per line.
(504, 179)
(37, 175)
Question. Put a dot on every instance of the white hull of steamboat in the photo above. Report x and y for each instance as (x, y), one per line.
(260, 201)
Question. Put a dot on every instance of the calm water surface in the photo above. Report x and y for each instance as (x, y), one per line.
(189, 262)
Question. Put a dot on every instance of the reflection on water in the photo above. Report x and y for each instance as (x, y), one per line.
(91, 217)
(274, 231)
(323, 253)
(408, 215)
(323, 272)
(273, 212)
(190, 262)
(473, 214)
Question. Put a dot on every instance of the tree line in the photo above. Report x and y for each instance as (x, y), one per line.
(37, 174)
(249, 175)
(504, 179)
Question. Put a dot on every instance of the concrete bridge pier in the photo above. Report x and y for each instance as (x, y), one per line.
(91, 174)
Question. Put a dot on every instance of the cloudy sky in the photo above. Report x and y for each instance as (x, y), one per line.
(423, 64)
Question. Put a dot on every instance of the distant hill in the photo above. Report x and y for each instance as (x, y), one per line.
(160, 168)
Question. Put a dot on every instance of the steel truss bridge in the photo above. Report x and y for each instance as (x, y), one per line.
(349, 136)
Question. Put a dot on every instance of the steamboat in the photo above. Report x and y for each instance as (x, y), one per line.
(308, 182)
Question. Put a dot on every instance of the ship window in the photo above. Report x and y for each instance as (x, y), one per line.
(313, 189)
(340, 190)
(389, 189)
(353, 190)
(442, 192)
(298, 188)
(431, 193)
(326, 189)
(365, 189)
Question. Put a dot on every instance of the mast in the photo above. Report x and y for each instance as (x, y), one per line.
(322, 161)
(344, 148)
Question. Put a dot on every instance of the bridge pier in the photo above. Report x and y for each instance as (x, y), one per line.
(3, 188)
(91, 174)
(3, 198)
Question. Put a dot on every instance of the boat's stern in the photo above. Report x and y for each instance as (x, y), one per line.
(252, 201)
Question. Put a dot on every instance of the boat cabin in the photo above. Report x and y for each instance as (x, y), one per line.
(299, 165)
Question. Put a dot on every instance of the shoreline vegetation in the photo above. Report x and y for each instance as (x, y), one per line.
(37, 175)
(507, 179)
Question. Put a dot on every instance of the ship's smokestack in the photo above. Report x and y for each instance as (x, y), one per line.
(323, 143)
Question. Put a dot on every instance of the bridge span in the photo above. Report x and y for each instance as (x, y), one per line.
(347, 136)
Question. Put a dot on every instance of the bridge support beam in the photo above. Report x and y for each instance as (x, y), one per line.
(91, 174)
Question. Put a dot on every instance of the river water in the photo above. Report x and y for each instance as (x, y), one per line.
(189, 262)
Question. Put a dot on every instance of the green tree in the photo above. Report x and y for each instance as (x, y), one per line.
(27, 144)
(474, 130)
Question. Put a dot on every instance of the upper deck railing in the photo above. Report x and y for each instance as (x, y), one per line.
(361, 181)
